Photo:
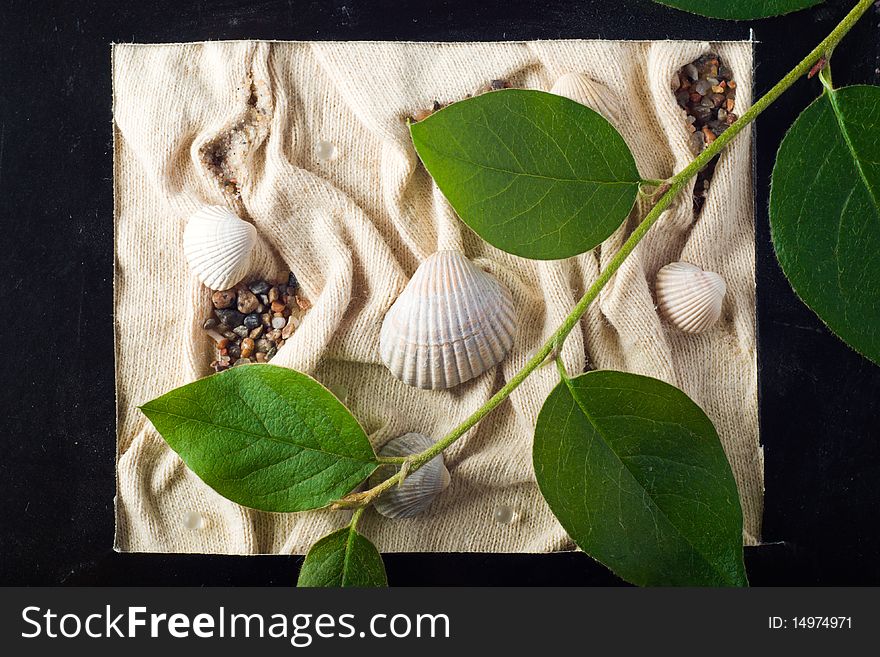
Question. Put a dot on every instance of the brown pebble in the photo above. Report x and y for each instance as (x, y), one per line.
(274, 335)
(718, 89)
(303, 303)
(731, 85)
(278, 307)
(261, 357)
(247, 301)
(263, 345)
(266, 318)
(257, 332)
(223, 298)
(289, 328)
(247, 347)
(731, 103)
(696, 98)
(710, 136)
(222, 344)
(274, 294)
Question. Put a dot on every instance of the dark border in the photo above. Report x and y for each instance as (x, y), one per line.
(818, 399)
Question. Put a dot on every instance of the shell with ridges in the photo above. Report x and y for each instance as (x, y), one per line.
(218, 246)
(451, 323)
(689, 297)
(586, 91)
(419, 488)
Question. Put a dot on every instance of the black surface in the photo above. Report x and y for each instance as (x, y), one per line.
(819, 402)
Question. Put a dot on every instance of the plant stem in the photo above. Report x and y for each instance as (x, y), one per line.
(669, 190)
(355, 517)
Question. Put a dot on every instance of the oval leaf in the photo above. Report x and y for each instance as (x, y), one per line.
(265, 437)
(532, 173)
(343, 558)
(825, 213)
(634, 471)
(740, 9)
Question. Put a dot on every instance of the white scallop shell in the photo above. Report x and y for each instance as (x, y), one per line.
(419, 488)
(451, 323)
(586, 91)
(218, 246)
(689, 297)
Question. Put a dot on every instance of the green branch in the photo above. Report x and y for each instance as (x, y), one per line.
(667, 193)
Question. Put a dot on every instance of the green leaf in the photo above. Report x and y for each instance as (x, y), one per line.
(740, 9)
(265, 437)
(532, 173)
(825, 213)
(343, 558)
(634, 471)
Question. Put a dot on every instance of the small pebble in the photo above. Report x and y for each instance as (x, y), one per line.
(696, 142)
(261, 357)
(234, 351)
(230, 318)
(252, 321)
(223, 298)
(257, 332)
(263, 345)
(278, 322)
(259, 287)
(247, 301)
(274, 335)
(210, 323)
(271, 353)
(193, 520)
(325, 151)
(242, 361)
(702, 87)
(278, 307)
(292, 283)
(504, 514)
(247, 348)
(230, 335)
(303, 303)
(274, 295)
(241, 331)
(289, 328)
(691, 71)
(266, 319)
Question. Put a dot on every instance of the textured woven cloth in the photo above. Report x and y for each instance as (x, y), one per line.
(355, 228)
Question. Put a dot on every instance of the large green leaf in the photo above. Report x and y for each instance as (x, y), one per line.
(740, 9)
(825, 213)
(343, 558)
(532, 173)
(634, 471)
(265, 437)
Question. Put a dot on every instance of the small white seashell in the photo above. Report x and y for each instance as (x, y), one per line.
(218, 246)
(689, 297)
(586, 91)
(451, 323)
(419, 488)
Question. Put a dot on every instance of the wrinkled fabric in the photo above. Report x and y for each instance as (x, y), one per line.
(354, 229)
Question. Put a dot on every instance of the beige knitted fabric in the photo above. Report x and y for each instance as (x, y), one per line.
(354, 229)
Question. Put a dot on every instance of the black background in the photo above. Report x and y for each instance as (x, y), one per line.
(819, 401)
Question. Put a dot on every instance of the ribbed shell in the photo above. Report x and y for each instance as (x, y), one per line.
(586, 91)
(218, 246)
(689, 297)
(419, 488)
(451, 323)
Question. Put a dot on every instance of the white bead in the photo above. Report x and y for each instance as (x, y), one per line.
(193, 520)
(504, 514)
(325, 151)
